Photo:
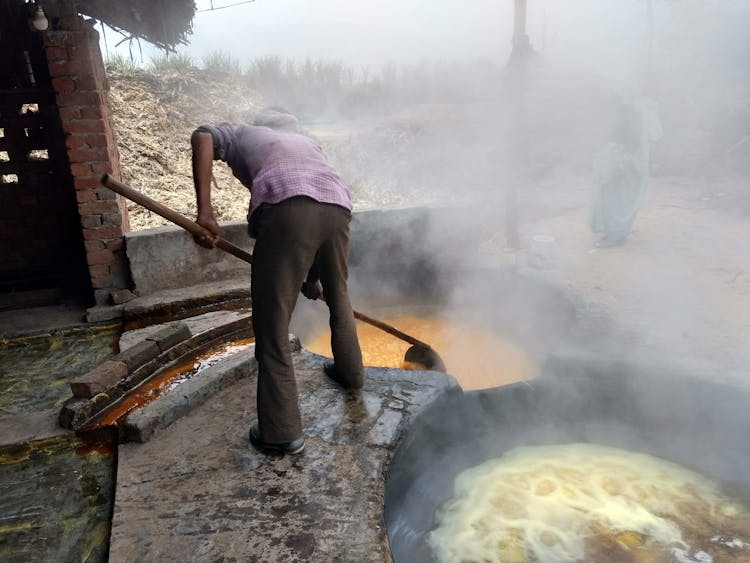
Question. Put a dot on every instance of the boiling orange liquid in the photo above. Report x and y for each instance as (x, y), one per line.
(478, 359)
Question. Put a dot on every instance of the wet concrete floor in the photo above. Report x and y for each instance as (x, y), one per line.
(57, 495)
(198, 491)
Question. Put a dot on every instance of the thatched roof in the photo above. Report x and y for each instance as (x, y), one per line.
(165, 23)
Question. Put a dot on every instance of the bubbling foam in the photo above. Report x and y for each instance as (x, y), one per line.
(476, 357)
(584, 502)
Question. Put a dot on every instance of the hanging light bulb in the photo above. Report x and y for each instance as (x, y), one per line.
(39, 21)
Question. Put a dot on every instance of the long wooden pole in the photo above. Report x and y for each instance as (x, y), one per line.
(171, 215)
(195, 229)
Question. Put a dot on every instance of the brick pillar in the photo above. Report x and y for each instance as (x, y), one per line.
(82, 91)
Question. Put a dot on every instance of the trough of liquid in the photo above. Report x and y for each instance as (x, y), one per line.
(164, 381)
(477, 357)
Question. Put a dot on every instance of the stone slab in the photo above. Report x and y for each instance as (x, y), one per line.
(196, 325)
(138, 355)
(139, 426)
(168, 258)
(102, 377)
(180, 303)
(27, 427)
(207, 495)
(169, 336)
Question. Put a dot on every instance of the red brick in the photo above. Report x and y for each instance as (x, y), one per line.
(73, 35)
(100, 276)
(86, 83)
(99, 257)
(94, 245)
(98, 140)
(86, 126)
(80, 169)
(69, 68)
(114, 219)
(85, 195)
(74, 141)
(104, 282)
(63, 85)
(87, 154)
(91, 221)
(79, 52)
(98, 207)
(55, 54)
(101, 167)
(87, 183)
(116, 244)
(105, 194)
(102, 233)
(81, 99)
(103, 377)
(68, 113)
(55, 38)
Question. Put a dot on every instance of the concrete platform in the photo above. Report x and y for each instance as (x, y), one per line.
(199, 491)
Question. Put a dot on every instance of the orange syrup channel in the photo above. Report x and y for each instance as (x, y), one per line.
(167, 379)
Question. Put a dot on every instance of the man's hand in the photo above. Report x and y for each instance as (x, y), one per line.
(312, 290)
(213, 233)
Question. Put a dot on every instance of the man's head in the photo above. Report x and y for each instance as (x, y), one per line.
(276, 118)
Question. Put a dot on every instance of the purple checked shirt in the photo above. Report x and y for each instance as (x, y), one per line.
(277, 165)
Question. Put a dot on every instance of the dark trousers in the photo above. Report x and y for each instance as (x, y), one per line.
(291, 236)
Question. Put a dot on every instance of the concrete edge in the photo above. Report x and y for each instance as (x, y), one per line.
(29, 427)
(140, 425)
(77, 412)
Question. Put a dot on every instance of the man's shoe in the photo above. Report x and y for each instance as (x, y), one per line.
(330, 370)
(291, 448)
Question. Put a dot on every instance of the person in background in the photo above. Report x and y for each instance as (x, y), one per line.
(621, 170)
(300, 210)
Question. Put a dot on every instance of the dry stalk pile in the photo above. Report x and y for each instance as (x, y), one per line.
(154, 118)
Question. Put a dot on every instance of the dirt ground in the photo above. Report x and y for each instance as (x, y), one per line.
(680, 286)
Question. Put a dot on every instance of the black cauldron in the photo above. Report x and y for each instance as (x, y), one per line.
(702, 425)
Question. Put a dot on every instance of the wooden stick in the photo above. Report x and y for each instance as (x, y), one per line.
(198, 231)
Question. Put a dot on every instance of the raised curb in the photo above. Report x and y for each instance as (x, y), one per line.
(143, 360)
(140, 425)
(170, 336)
(140, 354)
(181, 303)
(99, 379)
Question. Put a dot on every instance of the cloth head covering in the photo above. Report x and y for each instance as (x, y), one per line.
(276, 118)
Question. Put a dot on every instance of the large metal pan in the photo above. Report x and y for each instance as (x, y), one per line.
(699, 424)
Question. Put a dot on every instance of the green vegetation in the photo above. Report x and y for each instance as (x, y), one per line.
(219, 61)
(329, 88)
(171, 62)
(121, 63)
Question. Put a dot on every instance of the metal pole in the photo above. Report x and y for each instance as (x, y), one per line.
(521, 43)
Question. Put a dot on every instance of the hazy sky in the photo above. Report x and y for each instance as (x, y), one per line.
(598, 33)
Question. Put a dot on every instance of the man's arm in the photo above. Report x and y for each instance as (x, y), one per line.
(203, 160)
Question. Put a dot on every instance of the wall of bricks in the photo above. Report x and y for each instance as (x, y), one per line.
(82, 91)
